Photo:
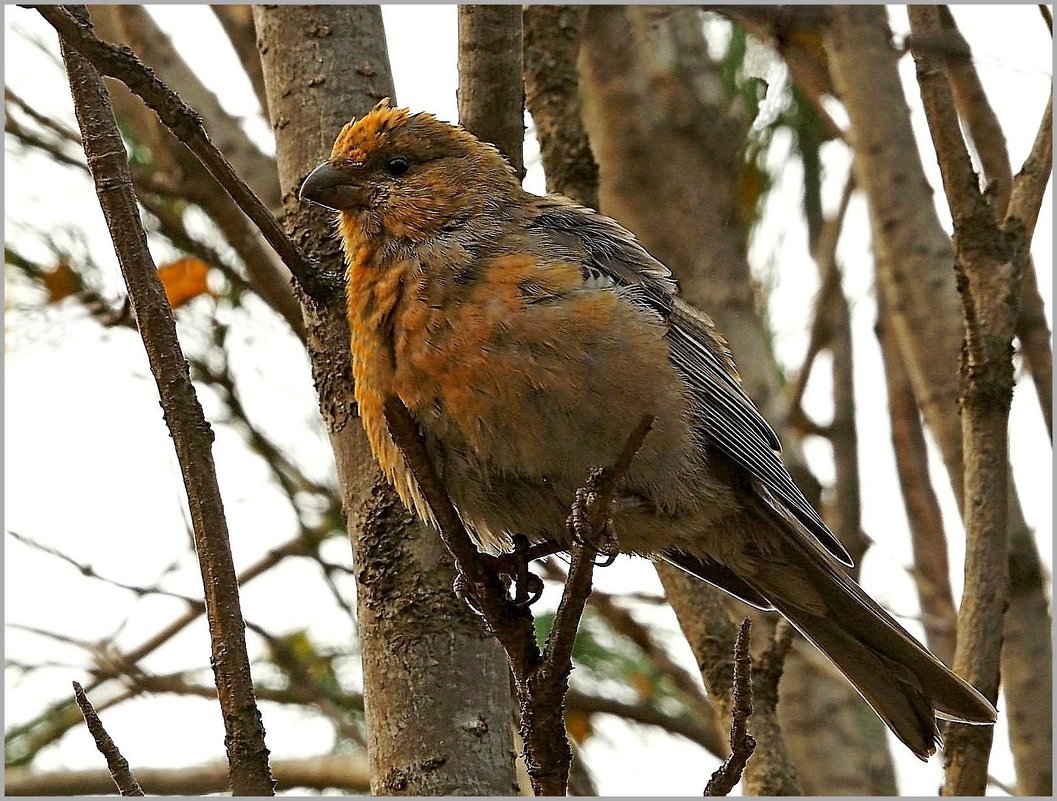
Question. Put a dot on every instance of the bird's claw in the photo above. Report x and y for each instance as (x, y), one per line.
(581, 530)
(529, 591)
(528, 587)
(463, 591)
(514, 568)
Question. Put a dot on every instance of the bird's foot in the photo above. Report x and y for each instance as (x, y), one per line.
(582, 531)
(528, 587)
(463, 590)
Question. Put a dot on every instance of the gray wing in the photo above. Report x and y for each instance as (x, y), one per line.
(611, 256)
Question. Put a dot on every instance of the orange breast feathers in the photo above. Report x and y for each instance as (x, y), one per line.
(514, 364)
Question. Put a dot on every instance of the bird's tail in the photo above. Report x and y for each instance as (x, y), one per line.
(904, 684)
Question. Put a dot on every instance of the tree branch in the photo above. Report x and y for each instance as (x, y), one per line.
(115, 762)
(989, 266)
(247, 754)
(58, 718)
(346, 772)
(742, 744)
(540, 679)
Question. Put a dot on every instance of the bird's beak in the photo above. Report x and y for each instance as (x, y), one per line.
(333, 186)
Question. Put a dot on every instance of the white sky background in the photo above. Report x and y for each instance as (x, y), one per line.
(85, 442)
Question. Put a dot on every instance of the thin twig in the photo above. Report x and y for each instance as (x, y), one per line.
(1029, 185)
(821, 330)
(53, 722)
(348, 772)
(118, 765)
(55, 126)
(120, 63)
(558, 652)
(742, 744)
(648, 712)
(985, 130)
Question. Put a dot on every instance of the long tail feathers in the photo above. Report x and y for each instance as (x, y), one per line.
(904, 684)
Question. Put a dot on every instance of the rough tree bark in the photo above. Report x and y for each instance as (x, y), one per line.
(668, 148)
(436, 685)
(552, 94)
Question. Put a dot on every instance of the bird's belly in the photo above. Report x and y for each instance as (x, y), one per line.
(517, 415)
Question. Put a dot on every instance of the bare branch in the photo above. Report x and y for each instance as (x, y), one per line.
(348, 772)
(989, 266)
(1030, 183)
(191, 434)
(115, 762)
(979, 118)
(56, 720)
(742, 744)
(55, 126)
(645, 712)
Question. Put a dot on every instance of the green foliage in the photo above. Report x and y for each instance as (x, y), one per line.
(603, 657)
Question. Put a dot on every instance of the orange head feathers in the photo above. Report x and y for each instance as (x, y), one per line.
(407, 175)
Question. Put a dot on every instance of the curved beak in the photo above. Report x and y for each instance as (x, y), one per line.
(335, 187)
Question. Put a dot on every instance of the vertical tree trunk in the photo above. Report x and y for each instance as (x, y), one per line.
(552, 94)
(490, 78)
(436, 685)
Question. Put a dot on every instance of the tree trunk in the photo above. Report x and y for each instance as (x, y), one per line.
(436, 685)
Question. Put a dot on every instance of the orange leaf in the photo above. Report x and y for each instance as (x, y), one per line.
(642, 684)
(62, 282)
(578, 724)
(184, 280)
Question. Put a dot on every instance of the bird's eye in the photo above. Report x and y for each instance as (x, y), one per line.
(397, 166)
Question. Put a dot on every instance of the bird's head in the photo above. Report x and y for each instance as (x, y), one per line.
(407, 175)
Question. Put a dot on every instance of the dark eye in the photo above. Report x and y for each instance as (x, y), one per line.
(397, 166)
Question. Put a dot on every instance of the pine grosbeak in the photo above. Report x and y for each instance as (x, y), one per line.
(527, 335)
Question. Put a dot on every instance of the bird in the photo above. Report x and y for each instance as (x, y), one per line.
(526, 335)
